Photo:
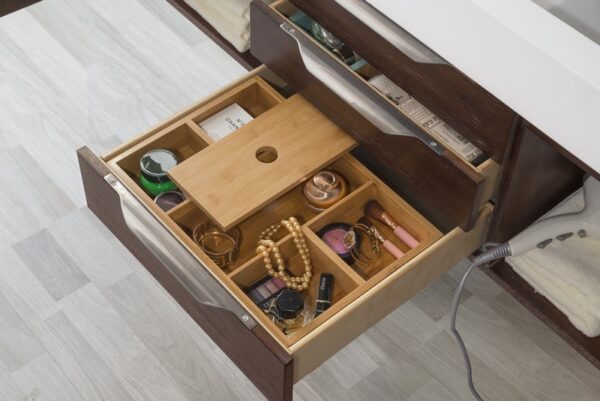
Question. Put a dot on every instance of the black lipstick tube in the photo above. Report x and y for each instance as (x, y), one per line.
(324, 294)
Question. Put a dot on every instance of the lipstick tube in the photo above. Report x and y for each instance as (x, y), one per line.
(325, 293)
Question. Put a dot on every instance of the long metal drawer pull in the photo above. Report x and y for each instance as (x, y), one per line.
(359, 95)
(398, 37)
(192, 274)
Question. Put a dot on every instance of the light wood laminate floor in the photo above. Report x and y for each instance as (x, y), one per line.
(80, 319)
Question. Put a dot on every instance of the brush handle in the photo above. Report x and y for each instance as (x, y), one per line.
(393, 249)
(406, 237)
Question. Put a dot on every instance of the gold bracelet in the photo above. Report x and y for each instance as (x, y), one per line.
(360, 256)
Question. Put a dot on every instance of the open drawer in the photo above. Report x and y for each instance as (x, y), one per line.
(456, 99)
(406, 155)
(217, 297)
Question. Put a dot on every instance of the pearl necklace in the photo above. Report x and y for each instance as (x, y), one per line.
(266, 246)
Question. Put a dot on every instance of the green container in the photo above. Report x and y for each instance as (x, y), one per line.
(156, 188)
(154, 166)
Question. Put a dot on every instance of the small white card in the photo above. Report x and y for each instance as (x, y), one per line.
(223, 123)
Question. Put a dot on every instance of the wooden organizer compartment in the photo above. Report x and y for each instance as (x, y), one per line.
(184, 137)
(299, 137)
(360, 299)
(181, 139)
(350, 209)
(188, 215)
(346, 282)
(255, 96)
(351, 281)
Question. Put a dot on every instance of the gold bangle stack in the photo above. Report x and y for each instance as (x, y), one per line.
(223, 247)
(360, 256)
(266, 247)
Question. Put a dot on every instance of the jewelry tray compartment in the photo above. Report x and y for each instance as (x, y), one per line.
(187, 140)
(260, 161)
(350, 209)
(390, 281)
(188, 215)
(184, 137)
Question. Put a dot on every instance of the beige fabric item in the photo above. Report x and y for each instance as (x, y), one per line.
(234, 28)
(240, 8)
(567, 273)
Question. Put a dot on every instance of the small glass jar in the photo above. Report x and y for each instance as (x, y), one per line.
(289, 305)
(223, 247)
(154, 166)
(324, 189)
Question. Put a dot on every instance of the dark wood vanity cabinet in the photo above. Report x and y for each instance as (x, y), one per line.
(9, 6)
(538, 175)
(453, 205)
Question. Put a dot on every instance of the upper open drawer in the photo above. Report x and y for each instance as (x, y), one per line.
(455, 98)
(394, 143)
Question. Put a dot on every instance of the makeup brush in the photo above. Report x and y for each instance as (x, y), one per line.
(374, 210)
(387, 244)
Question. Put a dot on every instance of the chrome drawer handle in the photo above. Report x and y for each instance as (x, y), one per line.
(390, 31)
(354, 91)
(192, 274)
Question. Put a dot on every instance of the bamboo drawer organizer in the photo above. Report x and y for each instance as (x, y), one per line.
(305, 142)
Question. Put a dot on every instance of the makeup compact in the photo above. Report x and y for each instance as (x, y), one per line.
(262, 292)
(341, 239)
(168, 200)
(324, 189)
(223, 247)
(154, 166)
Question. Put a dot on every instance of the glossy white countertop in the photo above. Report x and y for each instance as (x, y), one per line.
(540, 66)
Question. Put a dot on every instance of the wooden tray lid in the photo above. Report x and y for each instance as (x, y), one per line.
(229, 183)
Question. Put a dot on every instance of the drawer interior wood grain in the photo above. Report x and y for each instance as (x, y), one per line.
(362, 294)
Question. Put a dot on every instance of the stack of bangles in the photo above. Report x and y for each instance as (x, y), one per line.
(351, 243)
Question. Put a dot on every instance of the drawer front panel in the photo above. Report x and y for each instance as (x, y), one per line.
(455, 98)
(447, 190)
(249, 346)
(179, 262)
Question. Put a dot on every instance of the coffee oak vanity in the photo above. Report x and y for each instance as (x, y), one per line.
(317, 113)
